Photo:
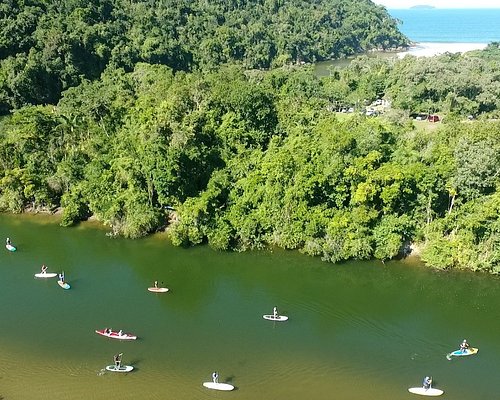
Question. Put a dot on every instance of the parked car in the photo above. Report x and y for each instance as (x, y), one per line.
(433, 118)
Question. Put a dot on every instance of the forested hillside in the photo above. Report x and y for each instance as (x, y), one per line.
(241, 157)
(48, 46)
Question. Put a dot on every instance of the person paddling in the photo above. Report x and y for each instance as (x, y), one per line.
(44, 269)
(275, 312)
(464, 346)
(61, 277)
(427, 382)
(215, 377)
(118, 360)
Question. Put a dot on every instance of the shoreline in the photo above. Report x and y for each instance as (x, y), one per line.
(430, 49)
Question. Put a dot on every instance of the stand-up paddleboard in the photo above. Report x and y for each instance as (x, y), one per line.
(123, 368)
(10, 247)
(158, 289)
(218, 386)
(64, 285)
(46, 275)
(279, 318)
(426, 392)
(459, 353)
(116, 335)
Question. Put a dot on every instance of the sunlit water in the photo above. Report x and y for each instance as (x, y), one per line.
(356, 331)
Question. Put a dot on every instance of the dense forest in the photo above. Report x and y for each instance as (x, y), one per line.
(244, 158)
(48, 46)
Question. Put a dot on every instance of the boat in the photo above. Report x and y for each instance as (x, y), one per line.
(426, 392)
(123, 368)
(10, 247)
(279, 318)
(64, 285)
(218, 386)
(46, 275)
(459, 353)
(158, 289)
(115, 335)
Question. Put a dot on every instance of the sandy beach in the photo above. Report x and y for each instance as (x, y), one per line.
(433, 49)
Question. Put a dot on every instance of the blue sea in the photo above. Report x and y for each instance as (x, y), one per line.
(449, 25)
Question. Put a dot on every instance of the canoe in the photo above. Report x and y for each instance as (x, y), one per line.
(279, 318)
(46, 275)
(123, 368)
(426, 392)
(116, 335)
(158, 289)
(218, 386)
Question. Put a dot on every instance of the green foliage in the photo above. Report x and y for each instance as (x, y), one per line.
(243, 159)
(47, 47)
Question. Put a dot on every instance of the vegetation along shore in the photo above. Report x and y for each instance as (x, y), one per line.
(202, 118)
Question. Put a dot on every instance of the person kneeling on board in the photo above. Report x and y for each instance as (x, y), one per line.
(464, 346)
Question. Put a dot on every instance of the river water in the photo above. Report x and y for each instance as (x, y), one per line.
(356, 330)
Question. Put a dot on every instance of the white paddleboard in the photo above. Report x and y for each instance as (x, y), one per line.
(158, 289)
(426, 392)
(123, 368)
(46, 275)
(279, 318)
(64, 285)
(10, 247)
(218, 386)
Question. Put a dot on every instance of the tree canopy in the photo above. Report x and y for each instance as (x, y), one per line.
(181, 126)
(48, 46)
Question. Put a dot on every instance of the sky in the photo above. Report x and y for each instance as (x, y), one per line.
(440, 3)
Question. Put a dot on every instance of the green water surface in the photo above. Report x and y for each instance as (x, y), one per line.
(356, 330)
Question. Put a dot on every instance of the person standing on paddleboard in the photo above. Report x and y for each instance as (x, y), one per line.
(427, 382)
(61, 277)
(44, 269)
(464, 346)
(215, 377)
(7, 242)
(275, 312)
(118, 360)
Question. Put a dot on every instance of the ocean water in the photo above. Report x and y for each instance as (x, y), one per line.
(449, 25)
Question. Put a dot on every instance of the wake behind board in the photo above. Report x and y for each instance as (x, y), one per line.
(279, 318)
(64, 285)
(218, 386)
(10, 247)
(46, 275)
(426, 392)
(158, 289)
(459, 353)
(123, 368)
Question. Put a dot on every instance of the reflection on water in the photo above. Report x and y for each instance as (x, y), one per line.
(359, 330)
